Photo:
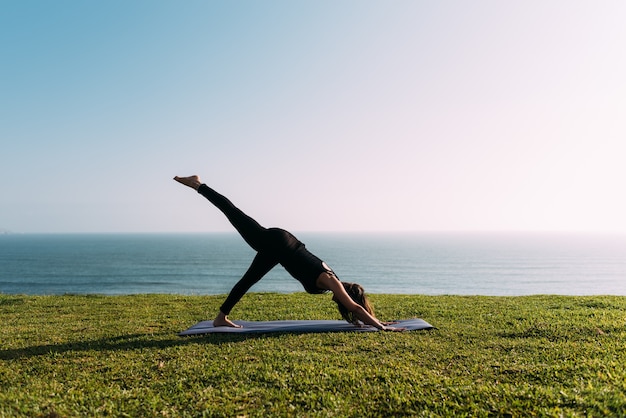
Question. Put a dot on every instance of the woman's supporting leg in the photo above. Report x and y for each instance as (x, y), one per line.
(260, 266)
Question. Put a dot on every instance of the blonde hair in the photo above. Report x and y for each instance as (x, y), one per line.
(357, 294)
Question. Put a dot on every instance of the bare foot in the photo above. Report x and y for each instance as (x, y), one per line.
(191, 181)
(222, 320)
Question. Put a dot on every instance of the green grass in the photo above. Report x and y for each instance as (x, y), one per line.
(490, 356)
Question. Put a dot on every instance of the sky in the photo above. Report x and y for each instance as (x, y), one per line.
(313, 115)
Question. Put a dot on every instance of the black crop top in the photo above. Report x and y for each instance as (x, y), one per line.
(300, 262)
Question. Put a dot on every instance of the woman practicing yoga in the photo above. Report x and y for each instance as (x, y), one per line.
(276, 246)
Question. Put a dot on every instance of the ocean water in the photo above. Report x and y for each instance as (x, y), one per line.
(419, 263)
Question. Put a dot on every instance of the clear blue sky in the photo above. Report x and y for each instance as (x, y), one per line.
(313, 115)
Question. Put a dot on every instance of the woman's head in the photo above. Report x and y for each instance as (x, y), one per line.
(357, 294)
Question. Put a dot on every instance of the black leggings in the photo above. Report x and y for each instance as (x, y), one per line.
(270, 244)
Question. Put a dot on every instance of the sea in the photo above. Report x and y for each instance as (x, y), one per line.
(496, 264)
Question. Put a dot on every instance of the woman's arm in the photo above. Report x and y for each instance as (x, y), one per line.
(334, 285)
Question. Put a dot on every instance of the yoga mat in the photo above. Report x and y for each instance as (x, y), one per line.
(301, 326)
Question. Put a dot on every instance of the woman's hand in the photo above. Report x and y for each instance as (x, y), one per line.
(386, 328)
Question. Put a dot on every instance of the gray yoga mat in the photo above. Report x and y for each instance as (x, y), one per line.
(301, 326)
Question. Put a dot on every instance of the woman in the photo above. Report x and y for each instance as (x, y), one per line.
(276, 246)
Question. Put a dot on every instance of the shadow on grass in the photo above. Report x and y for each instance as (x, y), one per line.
(127, 343)
(137, 342)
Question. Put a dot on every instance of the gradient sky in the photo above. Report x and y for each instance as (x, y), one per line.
(313, 115)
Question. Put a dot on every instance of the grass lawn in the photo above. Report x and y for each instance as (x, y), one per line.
(490, 356)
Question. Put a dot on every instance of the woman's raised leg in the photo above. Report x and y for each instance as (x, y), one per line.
(249, 229)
